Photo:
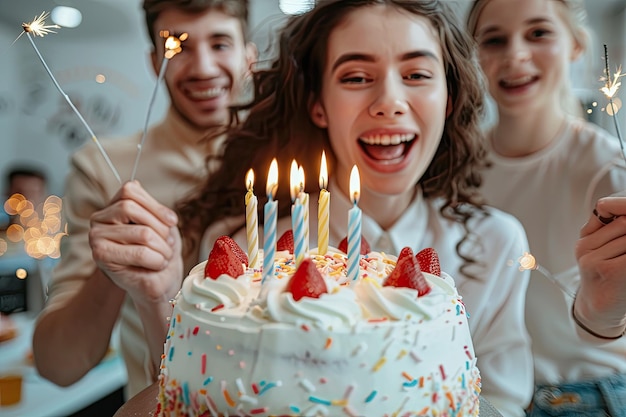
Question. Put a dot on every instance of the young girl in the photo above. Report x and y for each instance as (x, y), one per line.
(549, 169)
(393, 87)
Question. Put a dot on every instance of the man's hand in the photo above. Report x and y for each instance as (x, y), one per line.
(136, 243)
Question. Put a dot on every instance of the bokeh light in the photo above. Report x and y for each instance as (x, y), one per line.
(40, 229)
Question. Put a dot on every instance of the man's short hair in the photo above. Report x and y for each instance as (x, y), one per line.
(24, 171)
(234, 8)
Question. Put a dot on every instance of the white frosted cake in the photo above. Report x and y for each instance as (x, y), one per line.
(312, 343)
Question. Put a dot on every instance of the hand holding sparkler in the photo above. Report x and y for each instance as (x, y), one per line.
(172, 47)
(39, 28)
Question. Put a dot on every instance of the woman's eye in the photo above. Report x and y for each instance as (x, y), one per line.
(418, 76)
(355, 79)
(539, 33)
(495, 41)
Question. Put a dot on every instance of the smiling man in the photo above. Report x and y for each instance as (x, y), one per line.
(203, 80)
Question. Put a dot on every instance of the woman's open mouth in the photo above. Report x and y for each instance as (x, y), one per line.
(387, 148)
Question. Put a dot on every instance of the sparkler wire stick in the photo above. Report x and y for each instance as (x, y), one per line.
(67, 99)
(528, 262)
(609, 90)
(172, 47)
(145, 128)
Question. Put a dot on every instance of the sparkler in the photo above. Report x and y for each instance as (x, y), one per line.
(610, 89)
(173, 45)
(528, 262)
(39, 28)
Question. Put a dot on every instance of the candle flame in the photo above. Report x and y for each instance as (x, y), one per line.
(355, 185)
(323, 172)
(38, 26)
(272, 180)
(250, 180)
(294, 181)
(301, 178)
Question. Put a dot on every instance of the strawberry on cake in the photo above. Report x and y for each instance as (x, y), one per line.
(310, 342)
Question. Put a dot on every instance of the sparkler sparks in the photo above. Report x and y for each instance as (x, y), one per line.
(173, 46)
(39, 28)
(610, 89)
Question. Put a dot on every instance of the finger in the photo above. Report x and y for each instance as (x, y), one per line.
(137, 235)
(593, 224)
(134, 191)
(129, 212)
(609, 241)
(115, 257)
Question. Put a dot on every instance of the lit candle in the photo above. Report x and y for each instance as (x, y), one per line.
(323, 209)
(297, 214)
(269, 222)
(354, 226)
(252, 222)
(304, 199)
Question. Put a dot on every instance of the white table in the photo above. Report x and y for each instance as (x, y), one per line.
(41, 398)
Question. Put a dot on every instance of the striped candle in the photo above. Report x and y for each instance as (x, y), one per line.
(269, 222)
(252, 222)
(304, 199)
(323, 207)
(297, 215)
(354, 226)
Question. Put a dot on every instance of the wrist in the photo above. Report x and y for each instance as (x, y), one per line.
(594, 323)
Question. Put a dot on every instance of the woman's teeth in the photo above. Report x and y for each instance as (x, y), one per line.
(394, 139)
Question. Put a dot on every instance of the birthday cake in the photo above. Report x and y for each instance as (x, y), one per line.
(310, 342)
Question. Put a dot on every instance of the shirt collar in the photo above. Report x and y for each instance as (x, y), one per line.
(407, 231)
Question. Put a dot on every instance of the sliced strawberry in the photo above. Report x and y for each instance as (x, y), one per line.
(235, 248)
(286, 241)
(406, 252)
(365, 246)
(429, 261)
(226, 257)
(407, 274)
(307, 281)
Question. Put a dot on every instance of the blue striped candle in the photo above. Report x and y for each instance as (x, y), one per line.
(354, 226)
(270, 212)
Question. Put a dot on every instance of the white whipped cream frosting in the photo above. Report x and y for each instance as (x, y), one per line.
(345, 304)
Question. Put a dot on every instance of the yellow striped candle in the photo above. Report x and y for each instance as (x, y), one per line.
(304, 199)
(323, 209)
(252, 222)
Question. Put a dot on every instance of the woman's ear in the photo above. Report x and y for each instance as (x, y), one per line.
(318, 115)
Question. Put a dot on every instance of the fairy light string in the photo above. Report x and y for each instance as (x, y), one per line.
(39, 28)
(173, 46)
